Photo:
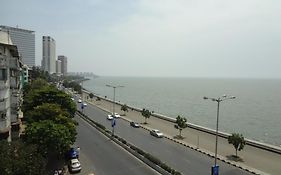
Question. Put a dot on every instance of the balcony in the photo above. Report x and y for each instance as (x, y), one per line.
(14, 83)
(3, 61)
(3, 105)
(14, 63)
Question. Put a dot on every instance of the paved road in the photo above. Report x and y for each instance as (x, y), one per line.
(101, 156)
(177, 156)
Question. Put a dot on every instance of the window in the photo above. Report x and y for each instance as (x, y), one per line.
(3, 74)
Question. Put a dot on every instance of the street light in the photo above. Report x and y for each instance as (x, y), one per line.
(114, 87)
(113, 112)
(215, 171)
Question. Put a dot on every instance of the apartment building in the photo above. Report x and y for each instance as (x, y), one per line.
(63, 60)
(10, 88)
(25, 41)
(49, 55)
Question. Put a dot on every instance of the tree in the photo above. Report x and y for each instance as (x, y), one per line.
(124, 108)
(18, 158)
(51, 136)
(237, 140)
(181, 124)
(146, 114)
(91, 95)
(48, 94)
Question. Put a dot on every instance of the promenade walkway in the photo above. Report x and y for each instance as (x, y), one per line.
(254, 159)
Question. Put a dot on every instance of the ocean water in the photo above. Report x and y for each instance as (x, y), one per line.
(255, 113)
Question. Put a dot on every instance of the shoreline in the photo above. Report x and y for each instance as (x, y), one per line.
(261, 145)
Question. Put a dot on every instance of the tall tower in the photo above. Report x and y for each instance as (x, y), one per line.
(49, 55)
(63, 60)
(25, 42)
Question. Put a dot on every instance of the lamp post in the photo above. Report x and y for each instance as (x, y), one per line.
(215, 169)
(113, 112)
(114, 87)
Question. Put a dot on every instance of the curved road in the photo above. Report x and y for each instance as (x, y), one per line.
(175, 155)
(101, 156)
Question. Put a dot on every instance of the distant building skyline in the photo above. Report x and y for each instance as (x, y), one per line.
(64, 65)
(24, 39)
(58, 67)
(49, 54)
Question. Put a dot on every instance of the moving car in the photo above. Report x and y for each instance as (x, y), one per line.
(116, 115)
(74, 165)
(84, 104)
(134, 124)
(109, 117)
(79, 101)
(156, 133)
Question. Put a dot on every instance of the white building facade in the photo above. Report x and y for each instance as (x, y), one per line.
(49, 54)
(25, 42)
(10, 87)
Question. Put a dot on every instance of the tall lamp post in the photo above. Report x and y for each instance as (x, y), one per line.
(113, 112)
(114, 88)
(215, 168)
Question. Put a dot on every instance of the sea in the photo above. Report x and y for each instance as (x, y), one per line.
(255, 112)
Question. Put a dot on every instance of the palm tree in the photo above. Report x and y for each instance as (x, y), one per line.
(146, 114)
(181, 124)
(237, 140)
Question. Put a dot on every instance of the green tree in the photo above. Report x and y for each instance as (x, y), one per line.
(146, 114)
(91, 95)
(51, 136)
(181, 124)
(237, 140)
(48, 94)
(18, 158)
(124, 108)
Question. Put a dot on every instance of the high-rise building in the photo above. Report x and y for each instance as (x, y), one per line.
(49, 55)
(25, 42)
(63, 60)
(58, 67)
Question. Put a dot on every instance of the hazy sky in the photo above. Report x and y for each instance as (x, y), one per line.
(187, 38)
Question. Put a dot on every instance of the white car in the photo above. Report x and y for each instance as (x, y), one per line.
(109, 117)
(84, 104)
(116, 115)
(74, 165)
(156, 133)
(79, 101)
(72, 99)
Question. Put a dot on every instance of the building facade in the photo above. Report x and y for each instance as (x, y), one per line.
(58, 67)
(63, 60)
(10, 88)
(49, 54)
(25, 42)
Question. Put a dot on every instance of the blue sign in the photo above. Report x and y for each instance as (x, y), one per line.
(215, 170)
(113, 123)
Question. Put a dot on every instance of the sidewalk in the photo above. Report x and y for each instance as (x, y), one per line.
(254, 159)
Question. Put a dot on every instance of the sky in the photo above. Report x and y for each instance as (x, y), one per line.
(157, 38)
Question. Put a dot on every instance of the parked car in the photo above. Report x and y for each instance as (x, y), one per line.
(134, 124)
(74, 165)
(72, 154)
(84, 104)
(109, 117)
(156, 133)
(79, 101)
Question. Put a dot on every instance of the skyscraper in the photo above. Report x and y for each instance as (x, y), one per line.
(49, 55)
(63, 60)
(25, 42)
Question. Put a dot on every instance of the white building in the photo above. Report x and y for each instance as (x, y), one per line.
(63, 60)
(10, 87)
(49, 55)
(25, 42)
(58, 67)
